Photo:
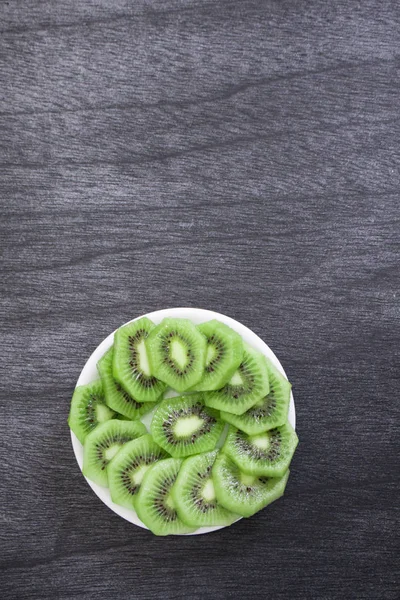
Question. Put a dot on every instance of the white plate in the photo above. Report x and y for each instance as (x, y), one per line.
(89, 373)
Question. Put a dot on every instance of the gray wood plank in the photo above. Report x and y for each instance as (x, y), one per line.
(237, 156)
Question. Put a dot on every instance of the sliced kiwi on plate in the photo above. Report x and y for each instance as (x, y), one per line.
(116, 396)
(248, 385)
(154, 503)
(126, 470)
(223, 355)
(177, 352)
(102, 444)
(88, 409)
(242, 493)
(131, 364)
(178, 478)
(269, 412)
(268, 453)
(194, 494)
(184, 426)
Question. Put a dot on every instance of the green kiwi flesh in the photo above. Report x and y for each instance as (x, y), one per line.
(123, 418)
(103, 443)
(194, 494)
(224, 354)
(248, 385)
(154, 502)
(241, 493)
(268, 453)
(131, 366)
(177, 352)
(184, 426)
(269, 412)
(88, 409)
(126, 470)
(116, 396)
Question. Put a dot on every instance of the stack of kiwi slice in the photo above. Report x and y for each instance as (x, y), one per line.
(218, 451)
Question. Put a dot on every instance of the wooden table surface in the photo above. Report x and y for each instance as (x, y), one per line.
(241, 156)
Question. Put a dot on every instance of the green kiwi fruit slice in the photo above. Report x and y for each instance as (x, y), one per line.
(269, 412)
(184, 426)
(242, 493)
(248, 385)
(154, 503)
(194, 494)
(88, 409)
(116, 396)
(223, 355)
(123, 418)
(126, 470)
(130, 362)
(102, 444)
(177, 352)
(268, 453)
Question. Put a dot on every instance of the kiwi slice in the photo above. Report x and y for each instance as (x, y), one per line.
(177, 352)
(248, 385)
(123, 418)
(242, 493)
(154, 503)
(268, 453)
(102, 444)
(269, 412)
(194, 494)
(184, 426)
(126, 470)
(130, 362)
(116, 397)
(88, 409)
(223, 355)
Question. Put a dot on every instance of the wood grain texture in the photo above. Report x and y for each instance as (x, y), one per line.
(241, 156)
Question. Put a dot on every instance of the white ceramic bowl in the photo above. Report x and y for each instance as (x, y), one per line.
(89, 373)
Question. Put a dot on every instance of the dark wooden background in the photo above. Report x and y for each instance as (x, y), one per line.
(241, 156)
